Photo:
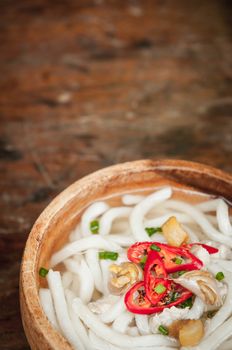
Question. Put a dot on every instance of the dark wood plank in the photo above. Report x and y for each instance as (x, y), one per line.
(86, 84)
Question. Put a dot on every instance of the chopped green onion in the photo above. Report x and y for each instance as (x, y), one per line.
(43, 272)
(160, 288)
(143, 260)
(180, 273)
(177, 261)
(220, 276)
(94, 226)
(151, 230)
(187, 303)
(108, 255)
(163, 330)
(155, 247)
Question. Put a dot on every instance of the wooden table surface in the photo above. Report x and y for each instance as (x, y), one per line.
(86, 84)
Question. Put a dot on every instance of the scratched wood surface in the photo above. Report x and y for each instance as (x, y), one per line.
(86, 84)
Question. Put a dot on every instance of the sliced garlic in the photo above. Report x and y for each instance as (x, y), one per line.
(123, 276)
(174, 232)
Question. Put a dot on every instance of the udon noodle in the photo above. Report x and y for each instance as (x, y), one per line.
(82, 303)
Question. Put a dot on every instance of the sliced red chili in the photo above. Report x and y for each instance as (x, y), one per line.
(156, 289)
(171, 256)
(137, 251)
(154, 266)
(155, 275)
(137, 302)
(210, 250)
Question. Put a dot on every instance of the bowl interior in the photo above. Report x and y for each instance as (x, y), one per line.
(53, 227)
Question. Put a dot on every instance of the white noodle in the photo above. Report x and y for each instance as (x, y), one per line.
(93, 263)
(225, 264)
(157, 211)
(107, 219)
(132, 199)
(196, 310)
(196, 229)
(210, 205)
(141, 209)
(133, 331)
(212, 219)
(72, 266)
(57, 292)
(94, 241)
(105, 275)
(48, 307)
(116, 310)
(86, 282)
(226, 345)
(78, 257)
(201, 220)
(103, 303)
(67, 278)
(77, 323)
(92, 212)
(108, 334)
(121, 239)
(191, 234)
(223, 218)
(75, 286)
(121, 323)
(101, 344)
(142, 324)
(159, 221)
(159, 237)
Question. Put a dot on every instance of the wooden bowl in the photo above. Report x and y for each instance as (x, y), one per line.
(53, 226)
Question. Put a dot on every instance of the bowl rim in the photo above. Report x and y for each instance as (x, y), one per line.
(28, 288)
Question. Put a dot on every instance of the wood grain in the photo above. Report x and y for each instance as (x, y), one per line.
(87, 84)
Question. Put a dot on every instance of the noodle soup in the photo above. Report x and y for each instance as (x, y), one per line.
(144, 270)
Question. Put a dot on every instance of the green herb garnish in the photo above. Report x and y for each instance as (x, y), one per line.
(155, 247)
(142, 261)
(43, 272)
(174, 296)
(160, 288)
(220, 276)
(94, 226)
(108, 255)
(180, 273)
(177, 261)
(187, 303)
(151, 230)
(163, 330)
